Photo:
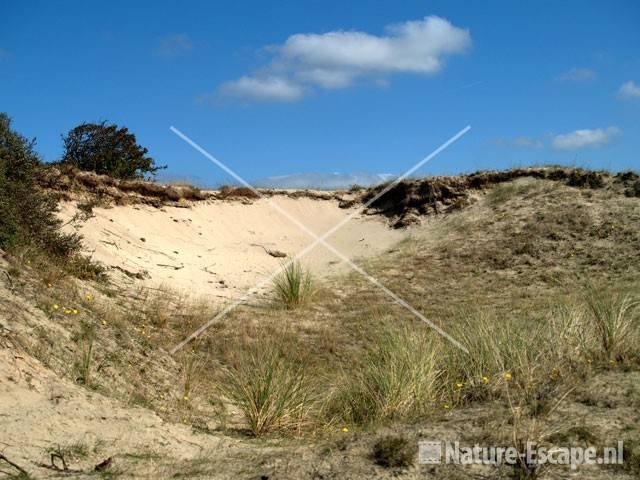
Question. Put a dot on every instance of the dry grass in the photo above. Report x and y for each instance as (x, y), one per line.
(616, 319)
(85, 364)
(533, 330)
(396, 377)
(272, 392)
(230, 191)
(536, 337)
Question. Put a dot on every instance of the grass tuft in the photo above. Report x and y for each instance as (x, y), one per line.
(270, 390)
(395, 379)
(294, 286)
(616, 320)
(85, 362)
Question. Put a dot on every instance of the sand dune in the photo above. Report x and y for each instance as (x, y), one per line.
(220, 248)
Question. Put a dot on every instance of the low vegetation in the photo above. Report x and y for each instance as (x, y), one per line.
(294, 286)
(29, 227)
(615, 317)
(396, 377)
(539, 289)
(393, 451)
(27, 215)
(272, 392)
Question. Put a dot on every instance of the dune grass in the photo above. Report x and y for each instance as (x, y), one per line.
(395, 378)
(525, 340)
(397, 369)
(272, 392)
(86, 361)
(294, 286)
(616, 318)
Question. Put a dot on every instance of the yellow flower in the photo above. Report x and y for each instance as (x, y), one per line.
(186, 397)
(89, 297)
(485, 380)
(345, 429)
(507, 376)
(104, 322)
(446, 407)
(459, 385)
(56, 306)
(74, 311)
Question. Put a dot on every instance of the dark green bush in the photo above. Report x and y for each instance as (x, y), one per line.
(27, 214)
(393, 451)
(107, 150)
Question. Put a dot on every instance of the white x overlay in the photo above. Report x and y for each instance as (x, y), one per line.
(318, 240)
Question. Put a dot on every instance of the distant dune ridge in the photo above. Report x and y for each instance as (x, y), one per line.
(324, 181)
(216, 241)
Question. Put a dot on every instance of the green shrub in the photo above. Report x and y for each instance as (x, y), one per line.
(107, 150)
(27, 214)
(393, 452)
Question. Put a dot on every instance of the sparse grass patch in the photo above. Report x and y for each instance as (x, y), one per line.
(86, 207)
(501, 352)
(579, 434)
(77, 450)
(85, 361)
(526, 430)
(502, 193)
(85, 340)
(631, 455)
(191, 367)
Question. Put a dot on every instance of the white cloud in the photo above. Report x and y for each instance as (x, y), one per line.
(578, 75)
(520, 141)
(527, 142)
(337, 59)
(174, 46)
(269, 88)
(629, 90)
(585, 138)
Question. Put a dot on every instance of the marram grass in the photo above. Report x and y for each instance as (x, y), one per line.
(293, 286)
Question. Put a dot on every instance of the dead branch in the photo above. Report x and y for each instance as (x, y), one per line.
(14, 465)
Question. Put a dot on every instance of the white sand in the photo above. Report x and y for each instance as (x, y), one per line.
(195, 249)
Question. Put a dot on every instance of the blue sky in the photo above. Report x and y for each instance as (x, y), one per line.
(272, 88)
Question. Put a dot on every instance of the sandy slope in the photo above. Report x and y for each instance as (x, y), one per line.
(40, 410)
(219, 247)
